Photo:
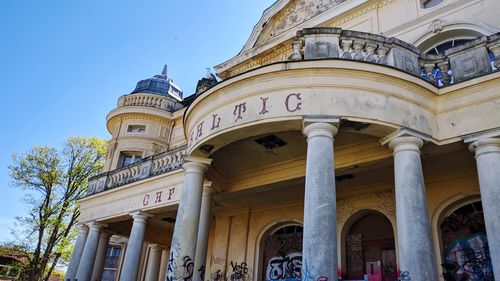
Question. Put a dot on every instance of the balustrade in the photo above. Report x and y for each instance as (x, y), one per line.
(148, 167)
(147, 100)
(441, 70)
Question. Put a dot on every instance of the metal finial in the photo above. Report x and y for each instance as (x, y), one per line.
(164, 72)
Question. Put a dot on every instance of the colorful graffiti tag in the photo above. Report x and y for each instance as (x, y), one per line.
(469, 259)
(285, 268)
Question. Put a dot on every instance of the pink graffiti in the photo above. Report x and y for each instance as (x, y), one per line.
(322, 278)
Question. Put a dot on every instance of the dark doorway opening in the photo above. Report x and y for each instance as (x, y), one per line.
(371, 249)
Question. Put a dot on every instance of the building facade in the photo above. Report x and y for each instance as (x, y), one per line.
(348, 140)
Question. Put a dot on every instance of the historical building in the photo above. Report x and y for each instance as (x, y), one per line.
(349, 139)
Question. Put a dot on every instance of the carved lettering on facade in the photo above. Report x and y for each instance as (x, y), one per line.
(288, 104)
(145, 200)
(191, 139)
(199, 130)
(171, 192)
(264, 105)
(239, 109)
(293, 103)
(159, 197)
(215, 122)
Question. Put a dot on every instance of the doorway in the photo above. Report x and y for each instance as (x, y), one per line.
(370, 249)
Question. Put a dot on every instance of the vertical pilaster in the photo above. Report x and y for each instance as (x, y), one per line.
(76, 256)
(86, 266)
(183, 250)
(153, 265)
(487, 153)
(134, 247)
(319, 248)
(204, 226)
(163, 265)
(100, 256)
(415, 247)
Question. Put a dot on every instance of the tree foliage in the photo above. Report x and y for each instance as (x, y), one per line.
(55, 179)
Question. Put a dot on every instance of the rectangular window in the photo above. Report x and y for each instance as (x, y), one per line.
(128, 158)
(136, 128)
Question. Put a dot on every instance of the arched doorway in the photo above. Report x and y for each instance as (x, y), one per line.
(466, 254)
(370, 249)
(282, 253)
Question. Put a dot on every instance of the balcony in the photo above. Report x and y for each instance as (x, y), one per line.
(149, 100)
(152, 166)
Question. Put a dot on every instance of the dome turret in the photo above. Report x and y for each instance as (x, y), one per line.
(159, 85)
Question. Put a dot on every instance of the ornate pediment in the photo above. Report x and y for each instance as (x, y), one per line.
(286, 14)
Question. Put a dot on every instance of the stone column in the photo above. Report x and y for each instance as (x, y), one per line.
(163, 265)
(134, 247)
(101, 256)
(319, 246)
(153, 266)
(86, 266)
(204, 226)
(488, 170)
(183, 250)
(415, 247)
(76, 256)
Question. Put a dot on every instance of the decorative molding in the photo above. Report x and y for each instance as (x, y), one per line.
(383, 202)
(144, 116)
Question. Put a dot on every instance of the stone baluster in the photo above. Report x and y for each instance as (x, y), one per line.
(319, 248)
(495, 49)
(296, 54)
(358, 50)
(444, 66)
(346, 49)
(429, 68)
(370, 52)
(382, 54)
(487, 154)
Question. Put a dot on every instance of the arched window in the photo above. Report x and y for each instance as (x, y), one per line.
(282, 254)
(465, 245)
(430, 3)
(442, 47)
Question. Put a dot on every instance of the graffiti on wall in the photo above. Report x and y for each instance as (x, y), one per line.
(468, 259)
(239, 272)
(285, 268)
(188, 266)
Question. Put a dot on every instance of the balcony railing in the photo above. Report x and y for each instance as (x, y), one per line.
(148, 100)
(148, 167)
(476, 58)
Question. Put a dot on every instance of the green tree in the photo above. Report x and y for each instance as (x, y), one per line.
(55, 179)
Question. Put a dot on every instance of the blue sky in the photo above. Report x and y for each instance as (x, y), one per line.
(64, 63)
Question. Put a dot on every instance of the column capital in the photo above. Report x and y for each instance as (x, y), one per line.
(96, 226)
(320, 126)
(194, 164)
(406, 143)
(156, 247)
(82, 228)
(140, 216)
(106, 233)
(486, 145)
(207, 188)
